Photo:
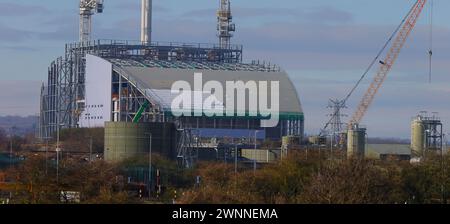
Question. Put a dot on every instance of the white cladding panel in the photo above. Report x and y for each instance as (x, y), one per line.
(98, 92)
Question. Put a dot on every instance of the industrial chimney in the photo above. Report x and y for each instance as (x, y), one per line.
(146, 22)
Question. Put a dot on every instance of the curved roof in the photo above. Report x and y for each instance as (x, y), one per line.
(156, 78)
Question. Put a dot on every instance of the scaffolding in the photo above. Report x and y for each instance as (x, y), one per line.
(188, 146)
(433, 131)
(202, 65)
(426, 134)
(63, 98)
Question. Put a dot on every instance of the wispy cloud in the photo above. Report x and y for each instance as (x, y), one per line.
(9, 9)
(9, 34)
(135, 6)
(19, 48)
(312, 15)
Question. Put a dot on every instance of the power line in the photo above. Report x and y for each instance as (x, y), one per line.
(430, 52)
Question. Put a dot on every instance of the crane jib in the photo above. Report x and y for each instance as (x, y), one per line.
(390, 59)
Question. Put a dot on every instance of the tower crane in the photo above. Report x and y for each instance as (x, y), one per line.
(225, 27)
(87, 9)
(399, 38)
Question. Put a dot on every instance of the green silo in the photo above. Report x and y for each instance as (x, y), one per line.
(127, 140)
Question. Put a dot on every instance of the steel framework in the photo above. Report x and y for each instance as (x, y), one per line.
(336, 124)
(63, 98)
(188, 146)
(433, 132)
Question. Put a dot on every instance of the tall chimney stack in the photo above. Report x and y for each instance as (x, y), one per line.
(146, 22)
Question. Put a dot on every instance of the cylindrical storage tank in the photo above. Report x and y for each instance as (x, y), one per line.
(116, 109)
(290, 140)
(313, 140)
(285, 141)
(126, 140)
(356, 142)
(317, 140)
(417, 137)
(342, 141)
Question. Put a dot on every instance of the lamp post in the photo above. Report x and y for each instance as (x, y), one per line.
(57, 152)
(46, 157)
(90, 149)
(331, 147)
(217, 153)
(366, 146)
(235, 156)
(197, 145)
(425, 142)
(235, 164)
(10, 157)
(442, 170)
(254, 154)
(10, 149)
(197, 141)
(256, 131)
(149, 165)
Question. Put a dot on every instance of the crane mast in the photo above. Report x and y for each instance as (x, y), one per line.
(386, 65)
(225, 27)
(87, 9)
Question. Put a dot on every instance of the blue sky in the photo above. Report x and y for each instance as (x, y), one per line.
(325, 45)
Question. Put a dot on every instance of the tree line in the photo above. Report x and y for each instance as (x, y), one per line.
(297, 180)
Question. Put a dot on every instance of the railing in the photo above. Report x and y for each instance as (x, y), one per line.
(129, 48)
(102, 42)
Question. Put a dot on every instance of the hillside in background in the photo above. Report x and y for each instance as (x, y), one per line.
(388, 141)
(19, 125)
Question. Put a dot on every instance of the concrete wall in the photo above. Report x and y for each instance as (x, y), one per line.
(261, 155)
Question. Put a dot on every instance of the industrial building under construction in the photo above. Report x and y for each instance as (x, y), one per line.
(125, 86)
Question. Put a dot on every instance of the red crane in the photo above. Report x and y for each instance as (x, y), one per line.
(388, 62)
